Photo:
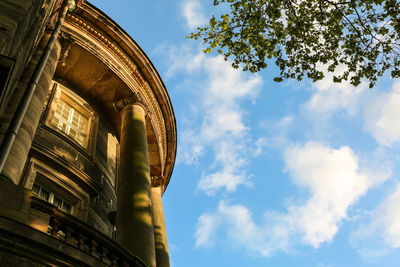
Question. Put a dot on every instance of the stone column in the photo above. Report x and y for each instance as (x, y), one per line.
(23, 141)
(160, 233)
(134, 220)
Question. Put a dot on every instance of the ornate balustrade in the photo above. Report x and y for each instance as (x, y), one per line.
(76, 233)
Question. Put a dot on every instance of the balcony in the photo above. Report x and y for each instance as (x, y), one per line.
(68, 242)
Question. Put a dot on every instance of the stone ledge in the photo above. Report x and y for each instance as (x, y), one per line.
(23, 242)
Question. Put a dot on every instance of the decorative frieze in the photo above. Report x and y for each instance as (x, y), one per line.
(136, 98)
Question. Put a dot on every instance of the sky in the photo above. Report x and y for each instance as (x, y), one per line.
(269, 174)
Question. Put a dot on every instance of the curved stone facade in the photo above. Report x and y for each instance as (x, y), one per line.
(95, 149)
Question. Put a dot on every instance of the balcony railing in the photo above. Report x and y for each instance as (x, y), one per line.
(76, 233)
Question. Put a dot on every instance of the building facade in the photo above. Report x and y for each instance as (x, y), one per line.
(88, 140)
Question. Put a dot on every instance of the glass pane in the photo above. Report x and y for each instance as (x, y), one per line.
(44, 194)
(57, 202)
(36, 189)
(72, 132)
(63, 127)
(69, 120)
(83, 124)
(55, 121)
(65, 116)
(79, 127)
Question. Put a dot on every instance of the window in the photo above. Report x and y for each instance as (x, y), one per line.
(57, 189)
(41, 192)
(70, 121)
(70, 115)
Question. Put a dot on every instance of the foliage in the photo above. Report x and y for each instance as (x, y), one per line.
(304, 35)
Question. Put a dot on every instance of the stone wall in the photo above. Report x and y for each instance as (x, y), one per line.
(97, 169)
(22, 23)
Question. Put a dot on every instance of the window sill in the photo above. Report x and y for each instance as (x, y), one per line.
(69, 140)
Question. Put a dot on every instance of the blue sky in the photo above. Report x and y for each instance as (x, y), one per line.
(268, 174)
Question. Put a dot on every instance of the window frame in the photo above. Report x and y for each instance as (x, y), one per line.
(52, 198)
(59, 184)
(59, 91)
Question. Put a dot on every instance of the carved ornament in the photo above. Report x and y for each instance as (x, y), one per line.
(157, 181)
(66, 48)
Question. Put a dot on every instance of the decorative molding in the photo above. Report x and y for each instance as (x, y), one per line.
(48, 156)
(157, 181)
(135, 99)
(160, 121)
(148, 97)
(110, 44)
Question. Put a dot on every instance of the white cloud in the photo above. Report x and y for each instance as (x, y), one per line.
(240, 229)
(334, 181)
(226, 178)
(260, 144)
(192, 12)
(388, 216)
(194, 149)
(330, 96)
(277, 132)
(381, 108)
(206, 226)
(216, 123)
(382, 233)
(382, 116)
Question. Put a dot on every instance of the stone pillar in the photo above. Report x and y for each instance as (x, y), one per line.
(134, 220)
(160, 233)
(23, 141)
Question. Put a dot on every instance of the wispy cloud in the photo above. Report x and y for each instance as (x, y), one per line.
(193, 14)
(388, 217)
(331, 97)
(382, 116)
(334, 180)
(239, 230)
(380, 107)
(381, 233)
(215, 124)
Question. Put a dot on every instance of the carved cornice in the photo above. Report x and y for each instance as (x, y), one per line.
(157, 181)
(148, 97)
(160, 121)
(135, 99)
(100, 36)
